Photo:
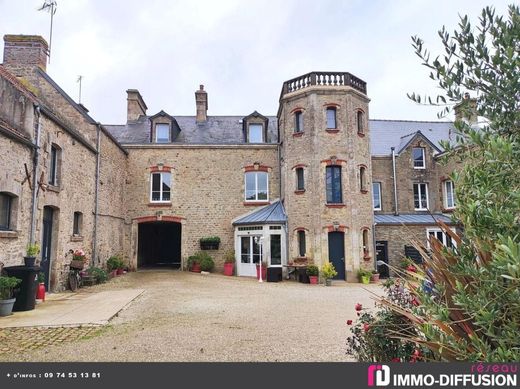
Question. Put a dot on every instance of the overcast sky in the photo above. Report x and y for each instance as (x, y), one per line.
(242, 51)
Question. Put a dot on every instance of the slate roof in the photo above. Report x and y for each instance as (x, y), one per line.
(270, 214)
(216, 130)
(426, 219)
(385, 134)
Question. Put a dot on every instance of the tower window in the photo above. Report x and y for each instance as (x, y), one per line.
(363, 179)
(302, 249)
(331, 118)
(300, 181)
(360, 122)
(333, 184)
(298, 121)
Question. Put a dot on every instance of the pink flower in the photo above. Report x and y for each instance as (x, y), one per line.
(411, 268)
(366, 327)
(349, 322)
(415, 302)
(359, 307)
(416, 353)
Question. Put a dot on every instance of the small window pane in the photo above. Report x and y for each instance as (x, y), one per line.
(255, 133)
(333, 183)
(162, 133)
(76, 230)
(276, 249)
(418, 157)
(359, 119)
(300, 184)
(331, 117)
(420, 195)
(450, 194)
(262, 186)
(298, 121)
(245, 249)
(301, 244)
(257, 250)
(53, 167)
(376, 195)
(5, 211)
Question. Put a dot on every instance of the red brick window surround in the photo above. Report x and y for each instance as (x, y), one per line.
(256, 167)
(337, 227)
(160, 168)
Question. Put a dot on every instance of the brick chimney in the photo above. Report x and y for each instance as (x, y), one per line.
(25, 51)
(467, 110)
(135, 105)
(201, 101)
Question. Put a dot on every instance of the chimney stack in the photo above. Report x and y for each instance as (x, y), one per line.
(466, 110)
(136, 106)
(201, 100)
(22, 52)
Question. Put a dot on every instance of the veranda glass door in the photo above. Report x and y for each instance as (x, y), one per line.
(250, 255)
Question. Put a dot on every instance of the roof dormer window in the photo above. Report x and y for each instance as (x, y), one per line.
(162, 133)
(255, 133)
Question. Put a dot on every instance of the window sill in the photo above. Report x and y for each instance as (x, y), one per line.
(297, 134)
(419, 168)
(299, 191)
(448, 210)
(332, 130)
(256, 203)
(9, 234)
(421, 209)
(76, 238)
(53, 188)
(335, 205)
(164, 204)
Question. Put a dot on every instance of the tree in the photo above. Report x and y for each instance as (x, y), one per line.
(472, 310)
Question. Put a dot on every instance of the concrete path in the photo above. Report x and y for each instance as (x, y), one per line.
(74, 309)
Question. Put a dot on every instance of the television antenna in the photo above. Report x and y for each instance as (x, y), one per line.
(49, 6)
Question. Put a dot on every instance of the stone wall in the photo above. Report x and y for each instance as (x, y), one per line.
(207, 190)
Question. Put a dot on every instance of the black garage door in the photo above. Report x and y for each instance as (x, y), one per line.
(159, 244)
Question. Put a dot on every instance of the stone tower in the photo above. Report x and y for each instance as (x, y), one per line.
(326, 172)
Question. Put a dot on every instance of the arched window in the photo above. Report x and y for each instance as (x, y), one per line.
(331, 118)
(300, 179)
(333, 184)
(298, 121)
(302, 246)
(360, 120)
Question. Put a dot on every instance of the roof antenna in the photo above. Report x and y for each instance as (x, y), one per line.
(80, 77)
(49, 6)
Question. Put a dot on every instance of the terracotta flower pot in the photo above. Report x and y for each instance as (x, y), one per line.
(264, 272)
(120, 272)
(313, 280)
(228, 268)
(374, 277)
(195, 267)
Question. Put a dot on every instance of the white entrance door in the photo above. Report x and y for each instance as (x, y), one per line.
(250, 255)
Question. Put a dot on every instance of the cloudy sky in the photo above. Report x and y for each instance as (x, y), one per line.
(242, 51)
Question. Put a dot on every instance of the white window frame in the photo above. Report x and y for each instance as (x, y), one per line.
(423, 151)
(161, 188)
(156, 132)
(420, 193)
(256, 200)
(445, 186)
(261, 132)
(444, 240)
(380, 197)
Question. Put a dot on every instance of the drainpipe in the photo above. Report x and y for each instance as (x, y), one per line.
(36, 161)
(396, 211)
(96, 195)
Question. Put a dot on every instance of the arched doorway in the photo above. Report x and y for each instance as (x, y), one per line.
(159, 244)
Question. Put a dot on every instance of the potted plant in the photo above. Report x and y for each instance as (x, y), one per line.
(264, 271)
(328, 272)
(114, 263)
(99, 275)
(7, 285)
(78, 259)
(194, 263)
(209, 243)
(313, 273)
(364, 276)
(229, 263)
(40, 293)
(206, 262)
(33, 249)
(374, 277)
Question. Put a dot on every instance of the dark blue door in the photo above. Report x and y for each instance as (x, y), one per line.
(337, 253)
(46, 243)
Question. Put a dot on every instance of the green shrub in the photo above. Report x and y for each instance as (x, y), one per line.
(210, 239)
(312, 270)
(7, 284)
(363, 273)
(205, 261)
(328, 271)
(33, 250)
(115, 262)
(99, 274)
(193, 259)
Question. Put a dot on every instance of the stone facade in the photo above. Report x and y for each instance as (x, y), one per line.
(105, 174)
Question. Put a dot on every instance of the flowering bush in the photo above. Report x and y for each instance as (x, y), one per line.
(378, 336)
(79, 255)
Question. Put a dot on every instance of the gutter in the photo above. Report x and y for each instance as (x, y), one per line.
(396, 208)
(36, 160)
(96, 195)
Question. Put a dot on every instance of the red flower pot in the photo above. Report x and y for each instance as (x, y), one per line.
(195, 268)
(264, 272)
(120, 272)
(228, 268)
(40, 293)
(313, 280)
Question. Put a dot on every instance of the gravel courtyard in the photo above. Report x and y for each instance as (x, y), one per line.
(189, 317)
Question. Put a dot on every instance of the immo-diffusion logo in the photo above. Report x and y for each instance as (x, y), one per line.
(378, 375)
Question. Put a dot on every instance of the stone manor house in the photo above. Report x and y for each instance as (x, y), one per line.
(318, 182)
